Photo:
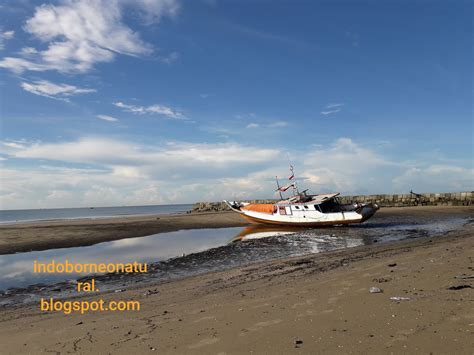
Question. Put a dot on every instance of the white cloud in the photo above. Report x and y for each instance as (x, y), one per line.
(107, 118)
(276, 124)
(13, 145)
(331, 109)
(55, 91)
(436, 177)
(253, 125)
(172, 158)
(334, 105)
(153, 109)
(4, 36)
(80, 34)
(348, 167)
(329, 112)
(26, 51)
(19, 65)
(7, 34)
(126, 173)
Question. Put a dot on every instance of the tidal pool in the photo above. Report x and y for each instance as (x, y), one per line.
(17, 269)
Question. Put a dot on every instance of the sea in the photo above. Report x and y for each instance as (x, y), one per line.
(51, 214)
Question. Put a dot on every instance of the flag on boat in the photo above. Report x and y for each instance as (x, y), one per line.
(284, 188)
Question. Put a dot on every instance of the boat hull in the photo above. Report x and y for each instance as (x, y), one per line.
(303, 215)
(254, 219)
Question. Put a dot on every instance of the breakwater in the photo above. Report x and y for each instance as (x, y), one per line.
(383, 200)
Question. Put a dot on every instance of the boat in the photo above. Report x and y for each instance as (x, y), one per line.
(303, 209)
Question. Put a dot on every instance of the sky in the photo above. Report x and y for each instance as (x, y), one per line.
(141, 102)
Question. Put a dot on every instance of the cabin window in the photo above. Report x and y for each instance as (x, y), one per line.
(297, 207)
(306, 207)
(330, 206)
(316, 207)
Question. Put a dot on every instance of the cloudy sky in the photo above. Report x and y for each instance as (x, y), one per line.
(135, 102)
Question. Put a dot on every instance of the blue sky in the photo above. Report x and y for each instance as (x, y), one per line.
(147, 102)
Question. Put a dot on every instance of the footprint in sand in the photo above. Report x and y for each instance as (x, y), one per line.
(204, 342)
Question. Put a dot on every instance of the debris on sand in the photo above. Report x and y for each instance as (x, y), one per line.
(298, 342)
(392, 265)
(398, 299)
(382, 279)
(151, 292)
(464, 277)
(459, 287)
(375, 290)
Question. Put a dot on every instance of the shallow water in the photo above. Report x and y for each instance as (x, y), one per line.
(206, 250)
(17, 269)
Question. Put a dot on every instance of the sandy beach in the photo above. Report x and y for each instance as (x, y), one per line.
(313, 304)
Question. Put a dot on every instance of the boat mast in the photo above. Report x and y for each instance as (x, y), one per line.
(295, 185)
(278, 187)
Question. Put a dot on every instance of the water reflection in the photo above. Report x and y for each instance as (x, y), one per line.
(257, 231)
(17, 269)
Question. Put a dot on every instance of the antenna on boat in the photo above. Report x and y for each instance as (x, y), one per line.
(278, 187)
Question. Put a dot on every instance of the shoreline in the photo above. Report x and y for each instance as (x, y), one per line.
(27, 222)
(322, 300)
(44, 235)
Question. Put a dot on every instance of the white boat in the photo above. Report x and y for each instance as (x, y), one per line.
(305, 210)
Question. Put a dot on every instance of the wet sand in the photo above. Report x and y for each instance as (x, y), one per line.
(313, 304)
(45, 235)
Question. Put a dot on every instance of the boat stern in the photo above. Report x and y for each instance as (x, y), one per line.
(368, 211)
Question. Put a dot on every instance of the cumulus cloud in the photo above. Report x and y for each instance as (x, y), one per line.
(435, 177)
(113, 172)
(80, 34)
(125, 173)
(54, 91)
(152, 109)
(178, 159)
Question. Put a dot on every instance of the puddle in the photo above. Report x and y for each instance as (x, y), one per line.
(17, 269)
(205, 250)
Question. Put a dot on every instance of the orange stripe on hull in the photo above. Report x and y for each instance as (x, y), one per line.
(302, 224)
